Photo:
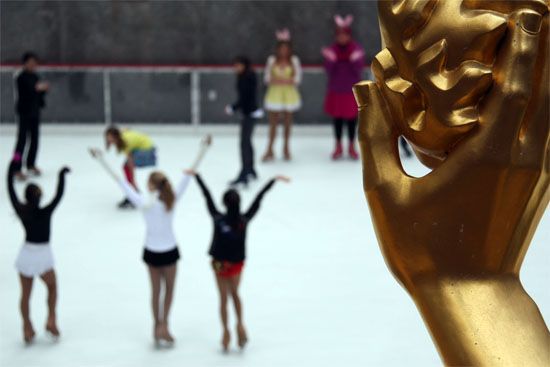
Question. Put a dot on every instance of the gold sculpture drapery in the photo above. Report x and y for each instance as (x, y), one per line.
(466, 82)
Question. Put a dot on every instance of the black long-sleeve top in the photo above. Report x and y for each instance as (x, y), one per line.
(228, 243)
(246, 89)
(36, 220)
(29, 100)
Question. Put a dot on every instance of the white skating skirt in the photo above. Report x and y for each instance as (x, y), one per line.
(34, 259)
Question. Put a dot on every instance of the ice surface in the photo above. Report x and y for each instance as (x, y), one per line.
(316, 290)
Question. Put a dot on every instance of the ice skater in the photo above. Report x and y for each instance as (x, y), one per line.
(283, 74)
(344, 62)
(30, 100)
(139, 150)
(161, 252)
(35, 256)
(247, 104)
(228, 250)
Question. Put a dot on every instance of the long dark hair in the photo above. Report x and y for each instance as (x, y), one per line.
(232, 201)
(245, 61)
(281, 44)
(117, 136)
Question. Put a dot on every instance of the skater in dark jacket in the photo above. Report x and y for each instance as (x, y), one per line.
(228, 250)
(247, 105)
(35, 257)
(30, 100)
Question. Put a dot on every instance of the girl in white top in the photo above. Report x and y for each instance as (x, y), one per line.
(161, 251)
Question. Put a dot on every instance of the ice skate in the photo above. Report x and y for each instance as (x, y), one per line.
(338, 152)
(352, 152)
(226, 338)
(286, 155)
(28, 333)
(252, 175)
(165, 337)
(52, 330)
(34, 171)
(268, 157)
(126, 204)
(241, 180)
(157, 335)
(243, 338)
(20, 176)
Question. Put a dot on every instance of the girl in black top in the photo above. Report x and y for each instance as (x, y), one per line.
(247, 105)
(228, 250)
(35, 257)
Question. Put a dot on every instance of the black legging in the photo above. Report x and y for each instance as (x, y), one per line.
(247, 151)
(339, 127)
(28, 127)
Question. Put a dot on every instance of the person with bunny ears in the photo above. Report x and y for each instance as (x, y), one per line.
(343, 61)
(283, 74)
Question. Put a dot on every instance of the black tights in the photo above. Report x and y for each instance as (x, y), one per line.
(339, 127)
(28, 130)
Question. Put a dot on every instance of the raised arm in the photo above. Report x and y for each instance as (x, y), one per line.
(11, 189)
(60, 189)
(256, 203)
(297, 65)
(135, 197)
(184, 183)
(267, 69)
(209, 202)
(131, 194)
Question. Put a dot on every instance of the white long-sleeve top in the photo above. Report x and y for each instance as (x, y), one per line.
(159, 235)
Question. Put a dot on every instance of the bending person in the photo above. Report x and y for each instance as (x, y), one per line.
(35, 257)
(228, 250)
(161, 251)
(139, 150)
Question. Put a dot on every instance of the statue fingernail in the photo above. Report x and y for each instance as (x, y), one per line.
(361, 92)
(530, 21)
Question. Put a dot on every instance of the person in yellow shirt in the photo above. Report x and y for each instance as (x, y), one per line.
(139, 150)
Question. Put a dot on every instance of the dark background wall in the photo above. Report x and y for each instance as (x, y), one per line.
(173, 32)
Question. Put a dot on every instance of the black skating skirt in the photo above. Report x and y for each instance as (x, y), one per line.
(158, 259)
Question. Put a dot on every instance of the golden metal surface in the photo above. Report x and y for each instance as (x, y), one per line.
(466, 82)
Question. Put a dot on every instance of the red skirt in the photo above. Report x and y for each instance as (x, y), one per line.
(341, 105)
(227, 269)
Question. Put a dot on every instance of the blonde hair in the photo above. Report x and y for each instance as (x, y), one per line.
(163, 186)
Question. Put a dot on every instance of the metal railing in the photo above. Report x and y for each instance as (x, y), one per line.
(199, 108)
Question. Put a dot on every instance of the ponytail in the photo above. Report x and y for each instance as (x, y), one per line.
(166, 194)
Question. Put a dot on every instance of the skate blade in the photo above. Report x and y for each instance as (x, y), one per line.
(52, 337)
(163, 344)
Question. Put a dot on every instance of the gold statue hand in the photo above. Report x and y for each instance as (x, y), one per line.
(456, 237)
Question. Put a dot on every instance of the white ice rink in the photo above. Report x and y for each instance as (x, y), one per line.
(316, 289)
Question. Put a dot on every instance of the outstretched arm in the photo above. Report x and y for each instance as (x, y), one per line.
(256, 203)
(209, 202)
(11, 190)
(60, 189)
(128, 189)
(184, 183)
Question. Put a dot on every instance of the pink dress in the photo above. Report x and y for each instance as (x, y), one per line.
(342, 74)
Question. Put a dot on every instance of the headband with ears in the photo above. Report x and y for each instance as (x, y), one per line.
(343, 22)
(282, 34)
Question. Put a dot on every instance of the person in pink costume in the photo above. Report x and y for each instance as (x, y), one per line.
(344, 61)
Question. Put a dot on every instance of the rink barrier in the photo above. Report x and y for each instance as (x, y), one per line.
(137, 94)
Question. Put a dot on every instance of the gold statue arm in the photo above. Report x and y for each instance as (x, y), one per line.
(456, 238)
(484, 322)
